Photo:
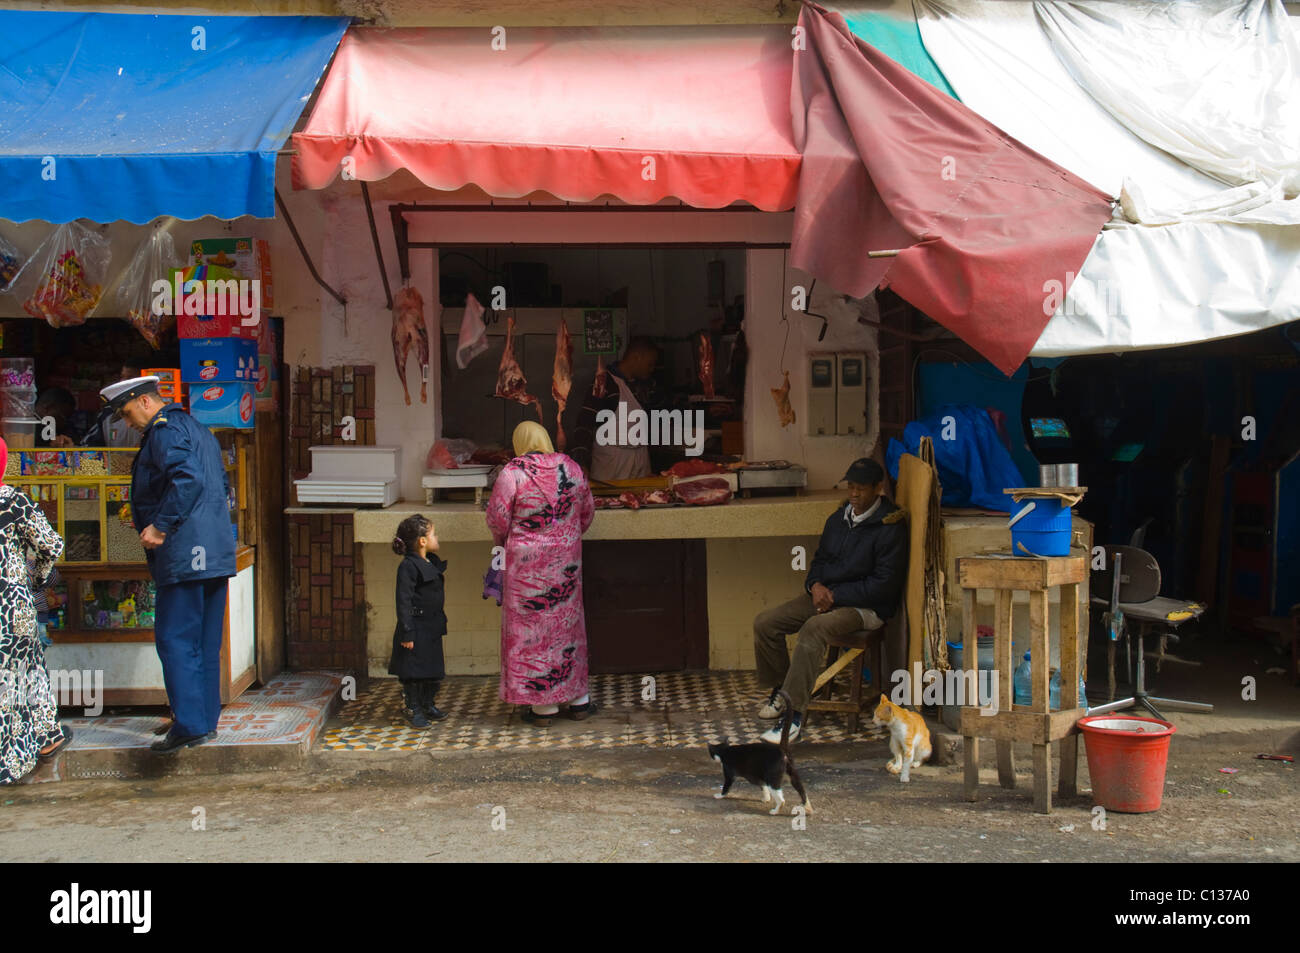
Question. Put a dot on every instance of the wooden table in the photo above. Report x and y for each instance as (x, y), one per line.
(1035, 724)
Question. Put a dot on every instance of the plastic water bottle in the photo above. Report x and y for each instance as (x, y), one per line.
(1022, 683)
(1054, 692)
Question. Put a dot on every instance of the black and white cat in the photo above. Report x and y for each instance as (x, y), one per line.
(761, 763)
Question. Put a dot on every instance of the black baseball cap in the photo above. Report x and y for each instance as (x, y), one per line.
(864, 470)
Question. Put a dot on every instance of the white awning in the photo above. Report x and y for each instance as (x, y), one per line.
(1190, 113)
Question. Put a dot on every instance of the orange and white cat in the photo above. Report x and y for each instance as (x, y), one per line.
(909, 738)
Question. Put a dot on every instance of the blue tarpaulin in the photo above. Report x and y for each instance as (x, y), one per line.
(974, 467)
(111, 116)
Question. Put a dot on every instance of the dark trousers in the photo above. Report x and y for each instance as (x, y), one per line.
(419, 692)
(189, 619)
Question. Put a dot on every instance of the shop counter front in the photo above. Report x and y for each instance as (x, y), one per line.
(664, 588)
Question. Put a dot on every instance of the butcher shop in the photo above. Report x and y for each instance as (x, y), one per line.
(642, 300)
(652, 323)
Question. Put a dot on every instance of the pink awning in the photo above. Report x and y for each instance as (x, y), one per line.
(641, 114)
(984, 225)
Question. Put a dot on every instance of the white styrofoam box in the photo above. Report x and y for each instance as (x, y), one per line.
(371, 492)
(450, 479)
(356, 463)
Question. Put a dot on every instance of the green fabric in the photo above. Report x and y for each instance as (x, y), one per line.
(899, 38)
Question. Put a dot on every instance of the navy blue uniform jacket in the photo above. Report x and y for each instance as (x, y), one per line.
(863, 566)
(179, 485)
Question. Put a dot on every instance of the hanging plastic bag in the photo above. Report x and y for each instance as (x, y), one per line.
(11, 262)
(64, 279)
(153, 261)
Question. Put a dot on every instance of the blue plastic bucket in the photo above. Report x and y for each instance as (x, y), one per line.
(1044, 530)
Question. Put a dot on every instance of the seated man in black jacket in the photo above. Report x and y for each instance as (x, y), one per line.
(855, 582)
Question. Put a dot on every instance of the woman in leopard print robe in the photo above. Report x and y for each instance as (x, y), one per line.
(29, 712)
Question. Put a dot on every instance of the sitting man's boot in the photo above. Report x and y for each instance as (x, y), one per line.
(412, 693)
(774, 706)
(773, 734)
(431, 711)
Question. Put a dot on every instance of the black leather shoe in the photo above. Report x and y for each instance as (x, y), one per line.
(174, 742)
(435, 713)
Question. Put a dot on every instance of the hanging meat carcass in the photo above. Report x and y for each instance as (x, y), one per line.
(408, 329)
(511, 383)
(562, 380)
(602, 378)
(781, 395)
(706, 363)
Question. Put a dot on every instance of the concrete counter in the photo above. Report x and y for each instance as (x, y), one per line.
(739, 519)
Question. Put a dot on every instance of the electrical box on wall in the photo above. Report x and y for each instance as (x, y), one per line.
(821, 395)
(851, 393)
(837, 394)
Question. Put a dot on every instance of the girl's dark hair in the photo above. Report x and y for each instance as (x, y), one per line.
(409, 531)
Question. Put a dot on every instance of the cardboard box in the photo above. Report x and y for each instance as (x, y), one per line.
(230, 325)
(249, 257)
(165, 375)
(218, 359)
(224, 404)
(268, 398)
(172, 393)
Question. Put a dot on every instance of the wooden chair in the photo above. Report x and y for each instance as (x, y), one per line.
(851, 650)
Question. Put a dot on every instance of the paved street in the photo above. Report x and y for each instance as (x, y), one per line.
(638, 804)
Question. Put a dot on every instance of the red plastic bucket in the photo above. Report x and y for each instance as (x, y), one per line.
(1126, 760)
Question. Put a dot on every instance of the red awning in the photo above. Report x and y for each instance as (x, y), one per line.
(991, 232)
(643, 114)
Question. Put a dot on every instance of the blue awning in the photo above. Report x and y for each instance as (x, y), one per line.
(111, 116)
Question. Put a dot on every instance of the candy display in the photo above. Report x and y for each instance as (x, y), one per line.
(66, 274)
(117, 604)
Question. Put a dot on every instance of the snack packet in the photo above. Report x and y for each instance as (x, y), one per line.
(11, 262)
(153, 261)
(65, 275)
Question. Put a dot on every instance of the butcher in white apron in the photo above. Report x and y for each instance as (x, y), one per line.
(614, 462)
(605, 459)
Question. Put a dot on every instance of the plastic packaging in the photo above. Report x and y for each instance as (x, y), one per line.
(64, 279)
(11, 262)
(153, 261)
(449, 454)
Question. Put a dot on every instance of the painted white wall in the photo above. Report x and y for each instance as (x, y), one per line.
(360, 332)
(767, 300)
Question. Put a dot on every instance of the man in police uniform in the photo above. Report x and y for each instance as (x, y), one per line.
(178, 503)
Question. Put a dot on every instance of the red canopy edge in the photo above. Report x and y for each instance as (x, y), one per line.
(992, 232)
(638, 114)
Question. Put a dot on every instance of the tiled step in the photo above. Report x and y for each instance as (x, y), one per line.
(269, 728)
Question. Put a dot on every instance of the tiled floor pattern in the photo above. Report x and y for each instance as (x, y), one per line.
(676, 709)
(288, 710)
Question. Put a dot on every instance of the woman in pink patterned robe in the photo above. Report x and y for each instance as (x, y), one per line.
(540, 507)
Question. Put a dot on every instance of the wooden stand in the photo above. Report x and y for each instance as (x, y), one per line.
(1035, 724)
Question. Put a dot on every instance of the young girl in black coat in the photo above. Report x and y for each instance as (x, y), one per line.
(421, 623)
